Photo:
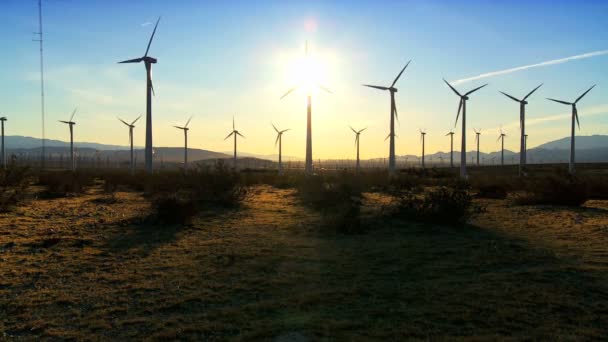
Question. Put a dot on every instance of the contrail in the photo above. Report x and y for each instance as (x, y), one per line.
(146, 24)
(591, 111)
(525, 67)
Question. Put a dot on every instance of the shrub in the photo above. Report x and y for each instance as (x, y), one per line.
(62, 183)
(171, 209)
(554, 190)
(14, 181)
(441, 205)
(492, 191)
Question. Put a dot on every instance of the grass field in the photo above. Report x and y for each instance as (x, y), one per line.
(96, 266)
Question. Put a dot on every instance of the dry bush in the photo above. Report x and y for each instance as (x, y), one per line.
(440, 205)
(63, 183)
(14, 181)
(554, 190)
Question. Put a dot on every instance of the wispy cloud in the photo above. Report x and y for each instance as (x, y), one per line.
(585, 112)
(526, 67)
(146, 24)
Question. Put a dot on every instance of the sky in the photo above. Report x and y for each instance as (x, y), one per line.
(217, 60)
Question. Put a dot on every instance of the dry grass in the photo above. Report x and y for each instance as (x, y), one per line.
(87, 268)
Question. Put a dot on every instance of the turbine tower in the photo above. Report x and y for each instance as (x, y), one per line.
(463, 105)
(357, 141)
(131, 126)
(308, 165)
(422, 136)
(279, 140)
(71, 124)
(522, 125)
(477, 136)
(148, 61)
(235, 133)
(185, 129)
(451, 134)
(501, 137)
(393, 115)
(574, 117)
(525, 148)
(3, 151)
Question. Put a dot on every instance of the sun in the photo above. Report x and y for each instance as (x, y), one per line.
(307, 72)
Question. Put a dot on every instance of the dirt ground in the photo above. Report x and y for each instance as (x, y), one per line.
(92, 267)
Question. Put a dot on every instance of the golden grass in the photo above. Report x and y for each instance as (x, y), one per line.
(86, 268)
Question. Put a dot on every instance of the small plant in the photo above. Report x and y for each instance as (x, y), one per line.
(440, 205)
(172, 209)
(492, 191)
(63, 183)
(14, 181)
(555, 190)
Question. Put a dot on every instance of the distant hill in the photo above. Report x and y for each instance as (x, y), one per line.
(582, 143)
(21, 142)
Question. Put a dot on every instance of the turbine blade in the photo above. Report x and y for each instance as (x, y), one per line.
(324, 88)
(585, 93)
(73, 113)
(152, 87)
(474, 90)
(352, 129)
(289, 91)
(136, 60)
(275, 128)
(387, 137)
(362, 130)
(458, 113)
(187, 122)
(285, 130)
(65, 122)
(377, 87)
(229, 135)
(532, 92)
(509, 96)
(123, 121)
(558, 101)
(179, 127)
(402, 70)
(134, 121)
(576, 117)
(276, 141)
(395, 108)
(240, 134)
(454, 90)
(152, 37)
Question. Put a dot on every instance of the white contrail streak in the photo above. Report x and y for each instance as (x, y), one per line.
(526, 67)
(585, 112)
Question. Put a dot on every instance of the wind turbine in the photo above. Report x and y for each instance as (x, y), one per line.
(131, 126)
(393, 115)
(422, 136)
(574, 117)
(148, 61)
(502, 146)
(185, 129)
(308, 165)
(463, 105)
(451, 134)
(71, 124)
(522, 125)
(3, 156)
(525, 148)
(357, 141)
(235, 133)
(477, 136)
(280, 141)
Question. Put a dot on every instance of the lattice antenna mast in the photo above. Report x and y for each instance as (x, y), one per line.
(40, 41)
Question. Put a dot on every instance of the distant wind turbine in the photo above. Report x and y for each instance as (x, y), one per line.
(148, 61)
(357, 141)
(501, 137)
(451, 134)
(574, 117)
(522, 125)
(477, 136)
(185, 129)
(525, 148)
(3, 151)
(71, 124)
(235, 133)
(308, 164)
(131, 126)
(422, 136)
(393, 115)
(279, 140)
(463, 105)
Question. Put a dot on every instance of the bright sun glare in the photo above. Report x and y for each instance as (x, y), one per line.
(307, 72)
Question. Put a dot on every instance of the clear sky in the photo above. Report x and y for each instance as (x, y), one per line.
(218, 59)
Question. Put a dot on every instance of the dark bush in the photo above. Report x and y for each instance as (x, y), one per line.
(14, 181)
(171, 209)
(62, 183)
(554, 190)
(441, 205)
(492, 191)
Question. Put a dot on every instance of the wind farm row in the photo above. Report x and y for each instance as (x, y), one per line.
(464, 97)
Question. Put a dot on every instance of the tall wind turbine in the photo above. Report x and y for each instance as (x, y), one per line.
(357, 141)
(463, 105)
(279, 140)
(148, 61)
(522, 125)
(235, 133)
(574, 117)
(131, 126)
(422, 136)
(71, 124)
(185, 129)
(451, 134)
(501, 137)
(308, 164)
(477, 136)
(3, 151)
(393, 115)
(525, 148)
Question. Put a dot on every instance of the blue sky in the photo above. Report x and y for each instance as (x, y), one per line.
(237, 58)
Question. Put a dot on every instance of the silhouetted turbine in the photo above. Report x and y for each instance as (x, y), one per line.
(422, 136)
(185, 129)
(235, 133)
(477, 136)
(451, 134)
(393, 115)
(502, 146)
(131, 126)
(357, 142)
(148, 61)
(574, 117)
(522, 125)
(463, 105)
(279, 140)
(71, 124)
